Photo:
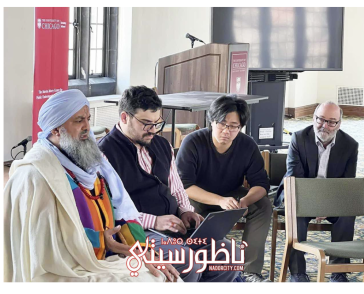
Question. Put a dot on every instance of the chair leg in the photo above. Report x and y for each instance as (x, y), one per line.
(321, 267)
(285, 261)
(273, 246)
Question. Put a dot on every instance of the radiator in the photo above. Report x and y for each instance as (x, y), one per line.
(106, 116)
(350, 96)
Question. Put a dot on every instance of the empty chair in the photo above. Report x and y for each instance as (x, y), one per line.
(336, 197)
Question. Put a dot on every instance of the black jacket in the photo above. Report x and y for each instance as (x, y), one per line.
(302, 158)
(149, 192)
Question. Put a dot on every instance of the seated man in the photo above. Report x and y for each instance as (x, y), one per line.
(212, 164)
(59, 219)
(321, 150)
(145, 162)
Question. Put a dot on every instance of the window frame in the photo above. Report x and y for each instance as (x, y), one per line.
(106, 19)
(103, 83)
(73, 75)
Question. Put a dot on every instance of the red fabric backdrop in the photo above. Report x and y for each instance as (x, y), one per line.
(50, 58)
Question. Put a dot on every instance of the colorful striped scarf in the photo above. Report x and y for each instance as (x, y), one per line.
(98, 215)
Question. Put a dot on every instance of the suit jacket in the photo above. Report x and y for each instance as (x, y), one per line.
(302, 158)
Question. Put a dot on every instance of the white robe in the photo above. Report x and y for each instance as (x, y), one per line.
(44, 239)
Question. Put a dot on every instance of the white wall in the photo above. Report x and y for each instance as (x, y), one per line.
(18, 76)
(353, 73)
(159, 32)
(302, 91)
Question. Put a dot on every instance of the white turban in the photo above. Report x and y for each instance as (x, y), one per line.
(59, 108)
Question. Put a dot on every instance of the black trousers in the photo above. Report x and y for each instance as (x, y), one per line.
(342, 230)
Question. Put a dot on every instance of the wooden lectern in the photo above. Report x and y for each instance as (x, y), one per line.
(208, 68)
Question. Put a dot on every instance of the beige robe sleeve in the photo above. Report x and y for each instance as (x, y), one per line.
(43, 243)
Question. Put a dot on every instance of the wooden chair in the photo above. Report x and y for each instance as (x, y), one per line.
(99, 131)
(265, 154)
(281, 226)
(277, 169)
(275, 165)
(179, 130)
(329, 197)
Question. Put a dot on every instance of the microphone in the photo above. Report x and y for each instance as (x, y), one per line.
(24, 142)
(193, 39)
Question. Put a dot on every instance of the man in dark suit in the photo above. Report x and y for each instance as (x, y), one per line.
(321, 151)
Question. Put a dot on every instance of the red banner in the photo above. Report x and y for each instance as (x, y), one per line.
(239, 72)
(50, 58)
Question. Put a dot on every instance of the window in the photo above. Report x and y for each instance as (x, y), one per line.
(71, 45)
(92, 49)
(97, 41)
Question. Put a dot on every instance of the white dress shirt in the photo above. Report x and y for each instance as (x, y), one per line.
(323, 157)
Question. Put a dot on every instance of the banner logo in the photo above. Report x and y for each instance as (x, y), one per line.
(51, 24)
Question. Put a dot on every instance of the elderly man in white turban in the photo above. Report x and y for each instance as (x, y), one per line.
(66, 208)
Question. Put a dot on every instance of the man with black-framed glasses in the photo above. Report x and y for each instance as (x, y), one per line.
(145, 163)
(321, 150)
(212, 164)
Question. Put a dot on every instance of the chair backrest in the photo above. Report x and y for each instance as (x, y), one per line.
(265, 155)
(277, 167)
(328, 197)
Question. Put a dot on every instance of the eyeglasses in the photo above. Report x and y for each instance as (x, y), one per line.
(330, 123)
(223, 126)
(147, 127)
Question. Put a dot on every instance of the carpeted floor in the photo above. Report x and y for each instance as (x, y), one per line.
(354, 127)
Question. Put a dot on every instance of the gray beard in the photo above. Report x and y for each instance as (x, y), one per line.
(85, 153)
(324, 137)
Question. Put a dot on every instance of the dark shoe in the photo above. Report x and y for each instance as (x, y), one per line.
(338, 277)
(253, 277)
(299, 278)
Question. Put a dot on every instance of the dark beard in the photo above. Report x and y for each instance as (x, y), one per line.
(143, 143)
